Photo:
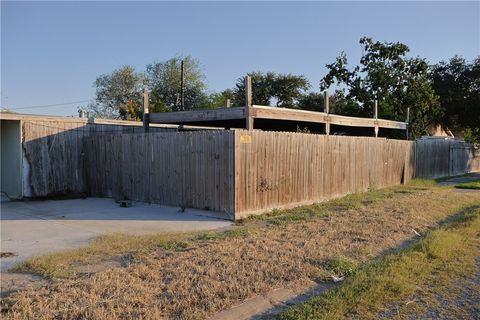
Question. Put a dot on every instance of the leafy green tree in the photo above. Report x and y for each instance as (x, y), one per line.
(164, 82)
(118, 94)
(385, 74)
(216, 100)
(261, 89)
(284, 89)
(312, 101)
(288, 88)
(457, 83)
(341, 104)
(472, 135)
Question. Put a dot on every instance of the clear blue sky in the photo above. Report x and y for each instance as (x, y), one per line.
(53, 51)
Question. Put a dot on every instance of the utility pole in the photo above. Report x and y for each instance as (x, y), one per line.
(407, 121)
(375, 116)
(182, 89)
(248, 103)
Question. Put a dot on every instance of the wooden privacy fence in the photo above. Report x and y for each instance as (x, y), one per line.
(186, 169)
(463, 158)
(236, 172)
(241, 172)
(246, 172)
(281, 169)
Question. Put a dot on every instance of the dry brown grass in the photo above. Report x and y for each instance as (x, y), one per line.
(215, 273)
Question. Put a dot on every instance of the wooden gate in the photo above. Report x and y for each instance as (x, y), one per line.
(463, 157)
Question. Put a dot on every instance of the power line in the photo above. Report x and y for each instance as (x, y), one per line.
(52, 105)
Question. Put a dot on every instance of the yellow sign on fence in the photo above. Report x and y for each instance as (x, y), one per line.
(245, 138)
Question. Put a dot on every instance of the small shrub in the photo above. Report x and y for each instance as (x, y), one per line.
(342, 266)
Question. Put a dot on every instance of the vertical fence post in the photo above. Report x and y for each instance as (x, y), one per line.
(326, 109)
(146, 114)
(375, 116)
(248, 103)
(407, 120)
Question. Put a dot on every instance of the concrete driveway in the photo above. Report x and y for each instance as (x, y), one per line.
(39, 227)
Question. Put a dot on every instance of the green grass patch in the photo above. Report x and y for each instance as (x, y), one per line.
(391, 278)
(469, 185)
(423, 183)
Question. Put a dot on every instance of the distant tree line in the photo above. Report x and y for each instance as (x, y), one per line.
(446, 94)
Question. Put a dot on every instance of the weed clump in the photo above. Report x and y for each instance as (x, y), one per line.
(341, 266)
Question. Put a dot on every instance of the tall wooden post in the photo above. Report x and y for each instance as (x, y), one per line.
(248, 103)
(407, 121)
(182, 85)
(146, 113)
(326, 109)
(375, 116)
